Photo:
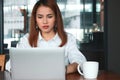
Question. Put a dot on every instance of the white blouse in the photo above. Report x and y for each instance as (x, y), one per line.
(72, 54)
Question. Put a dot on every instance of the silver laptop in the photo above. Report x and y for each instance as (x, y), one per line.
(37, 63)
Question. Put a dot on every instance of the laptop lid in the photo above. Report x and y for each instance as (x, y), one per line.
(37, 63)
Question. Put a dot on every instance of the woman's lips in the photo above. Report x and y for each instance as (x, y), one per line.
(45, 27)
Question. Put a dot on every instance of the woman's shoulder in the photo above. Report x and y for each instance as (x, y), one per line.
(24, 37)
(70, 36)
(23, 42)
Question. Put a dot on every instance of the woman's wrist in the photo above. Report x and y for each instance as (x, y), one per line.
(71, 68)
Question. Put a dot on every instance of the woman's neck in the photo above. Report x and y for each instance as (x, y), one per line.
(48, 36)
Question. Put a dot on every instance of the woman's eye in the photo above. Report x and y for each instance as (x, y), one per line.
(40, 17)
(50, 16)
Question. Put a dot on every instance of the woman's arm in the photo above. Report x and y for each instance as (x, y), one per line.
(71, 68)
(75, 57)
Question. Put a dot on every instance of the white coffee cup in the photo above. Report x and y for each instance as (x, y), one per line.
(89, 69)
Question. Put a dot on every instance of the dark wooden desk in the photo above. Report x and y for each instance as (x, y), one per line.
(103, 75)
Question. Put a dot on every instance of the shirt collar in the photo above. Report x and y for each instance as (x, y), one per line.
(40, 36)
(54, 38)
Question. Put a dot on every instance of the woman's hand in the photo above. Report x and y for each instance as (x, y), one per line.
(71, 68)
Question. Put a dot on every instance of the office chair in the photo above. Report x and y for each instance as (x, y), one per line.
(2, 62)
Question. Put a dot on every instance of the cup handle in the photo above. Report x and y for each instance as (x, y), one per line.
(79, 70)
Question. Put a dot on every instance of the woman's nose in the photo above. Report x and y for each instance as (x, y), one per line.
(45, 20)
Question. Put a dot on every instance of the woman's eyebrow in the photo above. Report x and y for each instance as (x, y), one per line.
(39, 14)
(43, 15)
(49, 14)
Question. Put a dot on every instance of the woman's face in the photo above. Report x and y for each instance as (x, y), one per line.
(45, 19)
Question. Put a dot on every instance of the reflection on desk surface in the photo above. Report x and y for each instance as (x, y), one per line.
(103, 75)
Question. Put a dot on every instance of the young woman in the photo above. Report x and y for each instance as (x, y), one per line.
(47, 30)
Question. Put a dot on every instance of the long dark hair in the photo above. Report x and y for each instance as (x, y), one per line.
(33, 34)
